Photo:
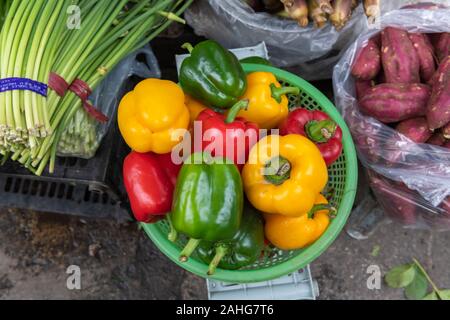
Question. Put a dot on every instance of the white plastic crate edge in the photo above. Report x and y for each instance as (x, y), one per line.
(296, 286)
(259, 50)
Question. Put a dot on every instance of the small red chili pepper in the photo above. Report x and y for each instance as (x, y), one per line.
(319, 128)
(226, 135)
(150, 182)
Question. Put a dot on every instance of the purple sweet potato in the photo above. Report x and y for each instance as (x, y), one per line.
(362, 86)
(395, 198)
(368, 149)
(434, 38)
(436, 218)
(368, 63)
(437, 139)
(425, 52)
(381, 78)
(438, 110)
(446, 131)
(443, 46)
(446, 205)
(365, 133)
(416, 129)
(400, 60)
(377, 40)
(394, 102)
(395, 150)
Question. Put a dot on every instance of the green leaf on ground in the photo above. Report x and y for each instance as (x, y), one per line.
(401, 277)
(445, 295)
(418, 288)
(431, 296)
(376, 251)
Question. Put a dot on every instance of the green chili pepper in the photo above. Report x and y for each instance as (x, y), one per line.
(243, 250)
(208, 201)
(213, 75)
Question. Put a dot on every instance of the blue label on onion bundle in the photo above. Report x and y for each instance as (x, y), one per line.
(11, 84)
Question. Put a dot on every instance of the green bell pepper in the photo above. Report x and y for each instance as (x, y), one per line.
(208, 201)
(243, 250)
(257, 60)
(213, 75)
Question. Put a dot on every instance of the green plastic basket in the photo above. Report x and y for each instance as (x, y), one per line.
(343, 182)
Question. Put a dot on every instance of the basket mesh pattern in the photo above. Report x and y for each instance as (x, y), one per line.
(336, 187)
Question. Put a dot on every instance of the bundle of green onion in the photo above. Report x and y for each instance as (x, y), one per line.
(74, 39)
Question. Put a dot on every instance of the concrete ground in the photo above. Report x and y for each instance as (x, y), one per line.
(118, 262)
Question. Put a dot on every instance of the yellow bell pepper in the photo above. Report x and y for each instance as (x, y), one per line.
(284, 175)
(268, 105)
(149, 115)
(292, 233)
(195, 108)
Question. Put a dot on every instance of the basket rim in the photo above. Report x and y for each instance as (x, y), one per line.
(303, 257)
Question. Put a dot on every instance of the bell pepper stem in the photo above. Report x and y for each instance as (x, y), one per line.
(278, 93)
(322, 207)
(188, 47)
(221, 252)
(234, 111)
(173, 234)
(172, 17)
(277, 170)
(321, 131)
(189, 249)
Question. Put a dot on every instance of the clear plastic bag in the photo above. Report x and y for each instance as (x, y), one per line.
(312, 53)
(83, 135)
(391, 5)
(411, 181)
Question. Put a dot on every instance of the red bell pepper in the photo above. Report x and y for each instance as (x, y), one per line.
(319, 128)
(150, 182)
(226, 135)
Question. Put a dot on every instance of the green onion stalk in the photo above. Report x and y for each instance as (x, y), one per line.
(4, 8)
(80, 137)
(35, 40)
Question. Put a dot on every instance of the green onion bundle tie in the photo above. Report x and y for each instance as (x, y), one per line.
(79, 88)
(83, 91)
(58, 84)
